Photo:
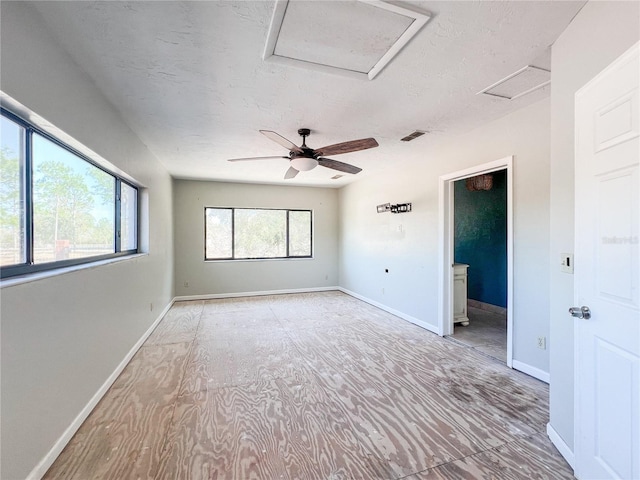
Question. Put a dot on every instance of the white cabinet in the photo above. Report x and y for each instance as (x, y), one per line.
(460, 293)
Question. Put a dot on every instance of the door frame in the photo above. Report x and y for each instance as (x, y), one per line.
(446, 246)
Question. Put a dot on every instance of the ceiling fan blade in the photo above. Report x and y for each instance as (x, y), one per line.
(281, 140)
(292, 172)
(336, 165)
(346, 147)
(254, 158)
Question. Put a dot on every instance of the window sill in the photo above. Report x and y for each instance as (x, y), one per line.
(34, 277)
(240, 260)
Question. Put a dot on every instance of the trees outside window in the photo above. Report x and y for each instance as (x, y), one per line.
(12, 219)
(253, 233)
(72, 204)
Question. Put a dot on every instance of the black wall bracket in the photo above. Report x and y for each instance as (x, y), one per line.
(395, 208)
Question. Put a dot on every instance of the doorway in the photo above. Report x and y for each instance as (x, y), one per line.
(489, 278)
(480, 249)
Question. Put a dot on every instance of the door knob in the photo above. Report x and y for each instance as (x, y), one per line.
(580, 312)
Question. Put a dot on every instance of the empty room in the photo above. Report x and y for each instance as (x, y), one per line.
(308, 239)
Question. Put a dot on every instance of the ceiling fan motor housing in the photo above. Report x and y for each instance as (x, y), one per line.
(307, 160)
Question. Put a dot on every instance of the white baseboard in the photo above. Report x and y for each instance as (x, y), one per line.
(532, 371)
(210, 296)
(562, 447)
(45, 463)
(487, 307)
(404, 316)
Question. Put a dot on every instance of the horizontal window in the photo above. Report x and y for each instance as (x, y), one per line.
(257, 233)
(57, 208)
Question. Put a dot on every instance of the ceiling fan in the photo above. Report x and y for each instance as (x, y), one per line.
(304, 158)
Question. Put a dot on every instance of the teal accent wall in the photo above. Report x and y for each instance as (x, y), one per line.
(480, 220)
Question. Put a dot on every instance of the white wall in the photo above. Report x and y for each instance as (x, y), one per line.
(190, 199)
(63, 336)
(407, 244)
(600, 33)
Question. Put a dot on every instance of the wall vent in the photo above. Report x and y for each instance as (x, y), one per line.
(522, 82)
(413, 136)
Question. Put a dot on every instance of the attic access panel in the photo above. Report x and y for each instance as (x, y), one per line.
(355, 37)
(526, 80)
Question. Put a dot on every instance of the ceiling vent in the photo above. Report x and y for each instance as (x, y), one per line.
(522, 82)
(335, 177)
(413, 136)
(356, 37)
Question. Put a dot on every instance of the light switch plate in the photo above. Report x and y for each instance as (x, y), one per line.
(566, 262)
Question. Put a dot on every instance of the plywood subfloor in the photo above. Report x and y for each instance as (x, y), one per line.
(486, 333)
(310, 386)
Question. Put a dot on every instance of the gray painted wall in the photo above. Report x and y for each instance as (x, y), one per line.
(407, 244)
(190, 199)
(599, 34)
(63, 336)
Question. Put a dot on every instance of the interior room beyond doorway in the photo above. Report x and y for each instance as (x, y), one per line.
(480, 241)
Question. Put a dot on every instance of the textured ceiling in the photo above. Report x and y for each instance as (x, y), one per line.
(189, 79)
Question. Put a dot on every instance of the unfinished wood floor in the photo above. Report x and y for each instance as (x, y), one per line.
(486, 332)
(310, 386)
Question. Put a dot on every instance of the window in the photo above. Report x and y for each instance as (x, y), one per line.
(12, 193)
(57, 208)
(72, 205)
(256, 233)
(128, 217)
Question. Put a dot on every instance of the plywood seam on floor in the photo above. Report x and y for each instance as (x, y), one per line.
(334, 402)
(474, 348)
(337, 404)
(174, 402)
(475, 454)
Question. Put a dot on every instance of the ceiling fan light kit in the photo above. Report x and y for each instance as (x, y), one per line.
(304, 164)
(302, 158)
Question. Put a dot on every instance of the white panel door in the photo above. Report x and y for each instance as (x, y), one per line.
(607, 274)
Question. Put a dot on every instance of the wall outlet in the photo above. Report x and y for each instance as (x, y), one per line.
(383, 290)
(542, 343)
(566, 262)
(186, 284)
